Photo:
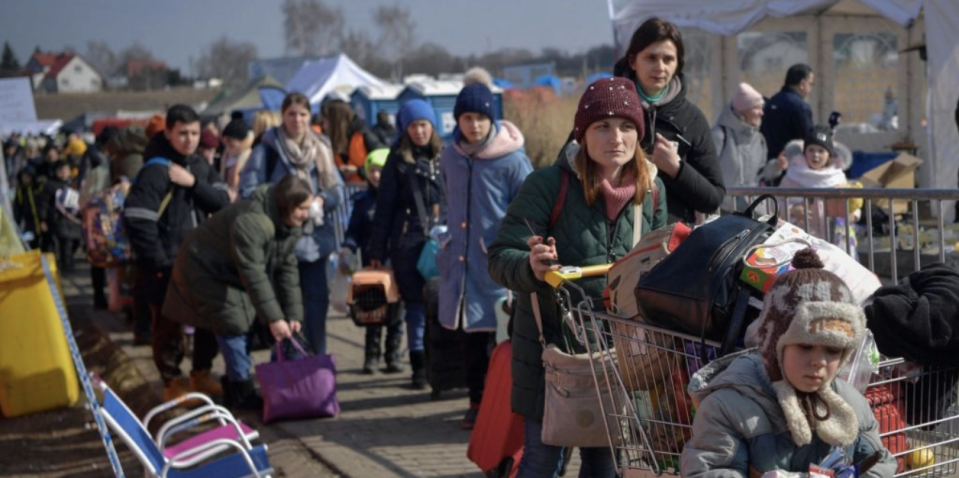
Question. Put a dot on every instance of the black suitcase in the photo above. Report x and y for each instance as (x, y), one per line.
(445, 365)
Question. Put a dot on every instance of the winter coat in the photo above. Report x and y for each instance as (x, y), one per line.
(27, 205)
(800, 176)
(742, 154)
(398, 232)
(584, 236)
(698, 186)
(359, 232)
(786, 116)
(58, 217)
(919, 320)
(479, 188)
(362, 141)
(740, 426)
(269, 164)
(127, 150)
(156, 238)
(237, 266)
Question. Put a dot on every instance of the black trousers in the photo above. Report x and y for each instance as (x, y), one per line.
(168, 337)
(477, 348)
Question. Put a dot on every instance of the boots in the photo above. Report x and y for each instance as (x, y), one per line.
(201, 381)
(393, 343)
(418, 363)
(241, 395)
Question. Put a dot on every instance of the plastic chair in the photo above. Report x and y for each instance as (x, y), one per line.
(184, 461)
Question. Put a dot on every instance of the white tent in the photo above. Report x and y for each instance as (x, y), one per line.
(338, 73)
(856, 48)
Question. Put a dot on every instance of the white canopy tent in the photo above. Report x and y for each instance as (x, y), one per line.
(856, 49)
(338, 73)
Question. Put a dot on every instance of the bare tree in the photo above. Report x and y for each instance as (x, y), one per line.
(227, 59)
(397, 35)
(102, 57)
(311, 27)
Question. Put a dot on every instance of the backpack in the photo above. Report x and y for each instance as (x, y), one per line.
(108, 243)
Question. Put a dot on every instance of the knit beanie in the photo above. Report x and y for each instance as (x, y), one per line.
(236, 129)
(606, 98)
(377, 157)
(475, 98)
(208, 139)
(811, 306)
(414, 110)
(746, 98)
(822, 136)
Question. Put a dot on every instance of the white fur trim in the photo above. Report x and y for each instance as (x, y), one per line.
(792, 411)
(842, 426)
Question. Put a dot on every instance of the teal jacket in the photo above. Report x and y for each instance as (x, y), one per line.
(583, 237)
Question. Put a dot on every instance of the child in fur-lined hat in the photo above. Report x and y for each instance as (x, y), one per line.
(779, 406)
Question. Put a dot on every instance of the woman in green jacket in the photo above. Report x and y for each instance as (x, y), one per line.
(606, 176)
(240, 265)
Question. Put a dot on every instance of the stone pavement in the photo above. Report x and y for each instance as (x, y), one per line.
(386, 429)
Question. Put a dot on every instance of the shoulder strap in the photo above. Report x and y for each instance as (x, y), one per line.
(560, 199)
(418, 198)
(169, 194)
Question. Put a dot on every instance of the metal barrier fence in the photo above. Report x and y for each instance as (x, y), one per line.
(905, 201)
(341, 219)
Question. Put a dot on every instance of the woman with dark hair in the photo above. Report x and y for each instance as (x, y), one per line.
(678, 139)
(294, 149)
(351, 139)
(608, 182)
(240, 265)
(411, 175)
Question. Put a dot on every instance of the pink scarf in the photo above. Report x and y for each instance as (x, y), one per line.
(617, 198)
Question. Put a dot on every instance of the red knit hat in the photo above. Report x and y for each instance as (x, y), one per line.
(606, 98)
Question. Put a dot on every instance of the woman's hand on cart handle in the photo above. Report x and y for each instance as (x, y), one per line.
(542, 256)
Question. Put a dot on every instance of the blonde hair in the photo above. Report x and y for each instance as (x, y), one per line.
(589, 174)
(264, 120)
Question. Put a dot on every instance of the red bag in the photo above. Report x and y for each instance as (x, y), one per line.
(497, 438)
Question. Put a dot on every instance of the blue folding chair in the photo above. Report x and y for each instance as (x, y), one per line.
(247, 461)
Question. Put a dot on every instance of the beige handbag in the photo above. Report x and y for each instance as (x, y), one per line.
(575, 399)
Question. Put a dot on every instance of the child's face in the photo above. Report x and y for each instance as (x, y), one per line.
(374, 176)
(63, 173)
(809, 367)
(817, 157)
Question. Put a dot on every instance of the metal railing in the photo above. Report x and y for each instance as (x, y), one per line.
(885, 199)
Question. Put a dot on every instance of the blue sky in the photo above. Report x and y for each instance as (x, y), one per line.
(176, 30)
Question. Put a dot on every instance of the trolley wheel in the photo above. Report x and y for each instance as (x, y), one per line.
(502, 470)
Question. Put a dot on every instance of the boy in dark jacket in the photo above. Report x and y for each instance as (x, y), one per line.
(358, 237)
(170, 197)
(63, 214)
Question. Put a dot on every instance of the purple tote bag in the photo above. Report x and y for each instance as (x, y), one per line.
(304, 388)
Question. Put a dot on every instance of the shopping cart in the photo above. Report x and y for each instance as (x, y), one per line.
(645, 370)
(918, 416)
(648, 414)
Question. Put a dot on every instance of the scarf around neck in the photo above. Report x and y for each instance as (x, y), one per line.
(616, 198)
(312, 151)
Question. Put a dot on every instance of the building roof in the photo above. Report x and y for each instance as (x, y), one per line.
(134, 67)
(59, 64)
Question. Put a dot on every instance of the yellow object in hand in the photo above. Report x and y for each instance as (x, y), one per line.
(920, 459)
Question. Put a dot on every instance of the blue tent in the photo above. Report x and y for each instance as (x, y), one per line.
(598, 76)
(550, 81)
(503, 83)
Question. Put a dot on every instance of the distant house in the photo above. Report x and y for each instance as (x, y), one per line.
(62, 73)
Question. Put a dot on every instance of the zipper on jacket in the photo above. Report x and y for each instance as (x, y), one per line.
(461, 314)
